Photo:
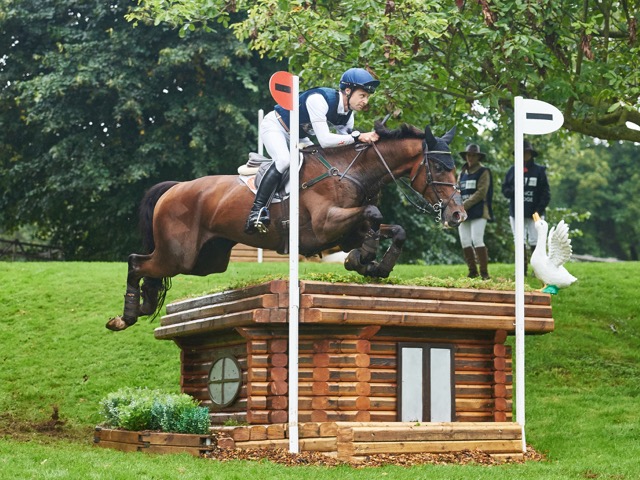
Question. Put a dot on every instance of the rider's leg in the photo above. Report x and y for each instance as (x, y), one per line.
(259, 218)
(276, 140)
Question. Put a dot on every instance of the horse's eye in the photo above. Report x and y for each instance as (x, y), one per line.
(438, 167)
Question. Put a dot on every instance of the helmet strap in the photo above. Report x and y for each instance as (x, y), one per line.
(348, 95)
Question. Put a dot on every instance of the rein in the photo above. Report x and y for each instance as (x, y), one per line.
(436, 208)
(419, 202)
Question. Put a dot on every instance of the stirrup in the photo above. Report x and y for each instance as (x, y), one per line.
(258, 224)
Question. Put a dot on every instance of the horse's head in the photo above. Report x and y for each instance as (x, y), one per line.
(435, 178)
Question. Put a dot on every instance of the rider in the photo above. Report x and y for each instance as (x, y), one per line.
(319, 107)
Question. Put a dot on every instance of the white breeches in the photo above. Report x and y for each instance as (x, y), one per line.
(276, 140)
(472, 232)
(530, 232)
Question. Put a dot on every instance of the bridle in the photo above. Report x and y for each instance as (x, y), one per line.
(419, 201)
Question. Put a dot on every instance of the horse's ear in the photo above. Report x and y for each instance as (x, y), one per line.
(448, 137)
(429, 138)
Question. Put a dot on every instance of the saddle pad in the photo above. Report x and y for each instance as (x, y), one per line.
(252, 182)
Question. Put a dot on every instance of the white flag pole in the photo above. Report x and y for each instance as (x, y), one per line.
(294, 285)
(536, 118)
(519, 247)
(260, 152)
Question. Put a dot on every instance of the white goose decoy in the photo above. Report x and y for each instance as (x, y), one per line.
(548, 268)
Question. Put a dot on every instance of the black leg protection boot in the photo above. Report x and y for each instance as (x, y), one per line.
(470, 259)
(259, 219)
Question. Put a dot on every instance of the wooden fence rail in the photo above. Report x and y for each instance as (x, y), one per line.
(13, 250)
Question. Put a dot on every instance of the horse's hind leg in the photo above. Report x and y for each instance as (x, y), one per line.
(131, 297)
(151, 289)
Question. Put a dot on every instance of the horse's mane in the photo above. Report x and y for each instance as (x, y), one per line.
(404, 131)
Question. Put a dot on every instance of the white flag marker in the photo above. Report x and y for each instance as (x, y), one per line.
(536, 118)
(284, 88)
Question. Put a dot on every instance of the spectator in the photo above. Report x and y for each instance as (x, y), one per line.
(537, 195)
(476, 185)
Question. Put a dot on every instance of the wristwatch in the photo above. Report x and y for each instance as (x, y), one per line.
(356, 135)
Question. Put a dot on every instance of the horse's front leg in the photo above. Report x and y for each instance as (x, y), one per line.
(131, 297)
(390, 257)
(362, 259)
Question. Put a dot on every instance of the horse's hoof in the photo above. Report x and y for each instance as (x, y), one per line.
(352, 262)
(116, 324)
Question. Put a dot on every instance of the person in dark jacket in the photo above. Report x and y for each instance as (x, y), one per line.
(476, 187)
(319, 108)
(537, 196)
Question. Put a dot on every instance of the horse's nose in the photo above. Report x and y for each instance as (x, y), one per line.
(457, 218)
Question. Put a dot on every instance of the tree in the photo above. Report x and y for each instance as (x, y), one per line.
(442, 58)
(601, 179)
(93, 111)
(459, 60)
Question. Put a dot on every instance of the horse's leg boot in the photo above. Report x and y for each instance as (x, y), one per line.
(131, 311)
(470, 258)
(259, 218)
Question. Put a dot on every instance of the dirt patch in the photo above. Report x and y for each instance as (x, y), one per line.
(51, 428)
(284, 457)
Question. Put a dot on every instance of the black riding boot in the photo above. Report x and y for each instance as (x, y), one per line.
(259, 218)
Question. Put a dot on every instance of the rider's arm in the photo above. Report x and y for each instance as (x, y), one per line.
(318, 109)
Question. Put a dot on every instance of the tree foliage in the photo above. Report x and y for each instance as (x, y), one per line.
(601, 179)
(439, 59)
(93, 111)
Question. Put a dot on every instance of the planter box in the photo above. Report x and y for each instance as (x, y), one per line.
(153, 442)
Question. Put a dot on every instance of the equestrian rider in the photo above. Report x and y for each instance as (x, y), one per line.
(319, 107)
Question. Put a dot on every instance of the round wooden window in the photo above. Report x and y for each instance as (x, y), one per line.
(225, 379)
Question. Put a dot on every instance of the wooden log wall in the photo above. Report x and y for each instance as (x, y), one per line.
(348, 441)
(348, 351)
(353, 441)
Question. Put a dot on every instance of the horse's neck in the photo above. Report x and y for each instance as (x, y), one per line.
(369, 168)
(395, 156)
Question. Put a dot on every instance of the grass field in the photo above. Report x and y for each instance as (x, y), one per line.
(583, 380)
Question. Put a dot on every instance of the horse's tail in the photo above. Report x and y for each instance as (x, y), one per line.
(147, 206)
(159, 287)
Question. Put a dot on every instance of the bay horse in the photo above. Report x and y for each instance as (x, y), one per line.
(190, 227)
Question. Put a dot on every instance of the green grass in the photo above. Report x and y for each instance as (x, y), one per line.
(583, 380)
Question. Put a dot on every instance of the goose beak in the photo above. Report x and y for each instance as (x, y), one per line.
(536, 217)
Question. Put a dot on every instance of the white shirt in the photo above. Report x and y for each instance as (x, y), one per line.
(318, 108)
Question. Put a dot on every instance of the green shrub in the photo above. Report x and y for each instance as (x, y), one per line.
(144, 409)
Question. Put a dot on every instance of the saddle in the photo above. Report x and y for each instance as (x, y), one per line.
(251, 174)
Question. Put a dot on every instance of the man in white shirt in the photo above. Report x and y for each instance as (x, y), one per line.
(319, 107)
